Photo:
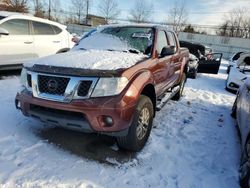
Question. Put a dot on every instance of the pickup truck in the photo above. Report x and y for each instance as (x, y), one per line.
(111, 83)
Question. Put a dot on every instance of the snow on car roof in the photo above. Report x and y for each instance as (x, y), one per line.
(30, 17)
(242, 58)
(7, 14)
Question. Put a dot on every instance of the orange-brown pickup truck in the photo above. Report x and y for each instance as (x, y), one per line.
(111, 82)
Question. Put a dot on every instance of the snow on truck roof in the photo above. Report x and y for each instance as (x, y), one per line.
(136, 25)
(29, 17)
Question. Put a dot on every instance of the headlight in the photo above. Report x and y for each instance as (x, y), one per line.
(109, 86)
(23, 78)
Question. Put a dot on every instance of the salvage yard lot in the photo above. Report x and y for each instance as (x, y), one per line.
(193, 144)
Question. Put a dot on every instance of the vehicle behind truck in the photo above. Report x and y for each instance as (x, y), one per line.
(113, 82)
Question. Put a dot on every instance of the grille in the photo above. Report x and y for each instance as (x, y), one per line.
(83, 88)
(52, 85)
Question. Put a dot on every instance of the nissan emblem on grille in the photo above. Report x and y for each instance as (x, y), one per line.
(52, 85)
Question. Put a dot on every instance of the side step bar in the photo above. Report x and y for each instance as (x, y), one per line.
(167, 96)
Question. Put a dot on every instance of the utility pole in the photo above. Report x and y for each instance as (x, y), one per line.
(87, 12)
(49, 9)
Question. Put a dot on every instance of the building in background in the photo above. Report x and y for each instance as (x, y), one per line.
(93, 20)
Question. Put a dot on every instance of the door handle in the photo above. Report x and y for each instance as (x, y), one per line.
(28, 42)
(56, 41)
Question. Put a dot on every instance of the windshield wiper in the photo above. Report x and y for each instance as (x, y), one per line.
(134, 51)
(82, 49)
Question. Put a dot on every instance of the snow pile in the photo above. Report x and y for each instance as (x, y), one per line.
(91, 59)
(193, 144)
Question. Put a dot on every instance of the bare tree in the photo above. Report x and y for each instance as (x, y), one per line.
(236, 24)
(79, 8)
(178, 15)
(39, 8)
(109, 9)
(141, 12)
(16, 5)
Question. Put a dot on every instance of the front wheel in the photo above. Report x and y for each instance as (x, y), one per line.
(245, 166)
(140, 128)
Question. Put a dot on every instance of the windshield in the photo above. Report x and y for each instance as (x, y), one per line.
(126, 39)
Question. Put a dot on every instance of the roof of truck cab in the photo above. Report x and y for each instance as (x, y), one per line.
(138, 25)
(17, 15)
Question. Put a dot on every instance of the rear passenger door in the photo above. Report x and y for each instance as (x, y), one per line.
(175, 60)
(17, 47)
(46, 41)
(161, 73)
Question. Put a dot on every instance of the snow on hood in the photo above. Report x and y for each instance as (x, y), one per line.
(91, 59)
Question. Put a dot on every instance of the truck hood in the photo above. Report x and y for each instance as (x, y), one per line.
(91, 59)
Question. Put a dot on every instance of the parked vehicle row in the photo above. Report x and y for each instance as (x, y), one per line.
(202, 59)
(24, 38)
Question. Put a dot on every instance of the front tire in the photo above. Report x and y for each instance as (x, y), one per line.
(140, 127)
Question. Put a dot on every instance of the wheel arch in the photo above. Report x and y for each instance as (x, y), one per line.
(149, 91)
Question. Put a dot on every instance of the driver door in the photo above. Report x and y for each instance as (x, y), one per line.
(210, 64)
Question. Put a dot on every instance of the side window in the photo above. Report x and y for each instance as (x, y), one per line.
(161, 41)
(42, 29)
(16, 27)
(172, 40)
(56, 29)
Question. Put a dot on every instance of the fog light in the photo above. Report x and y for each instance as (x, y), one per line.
(108, 121)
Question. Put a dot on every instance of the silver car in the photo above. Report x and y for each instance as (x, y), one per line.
(241, 111)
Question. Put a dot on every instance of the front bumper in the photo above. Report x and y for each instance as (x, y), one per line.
(83, 115)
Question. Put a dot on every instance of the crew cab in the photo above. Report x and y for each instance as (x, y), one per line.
(25, 37)
(111, 83)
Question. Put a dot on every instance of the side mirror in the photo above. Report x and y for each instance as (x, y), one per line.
(167, 51)
(4, 31)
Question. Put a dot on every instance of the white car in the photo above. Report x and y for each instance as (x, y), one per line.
(233, 60)
(239, 72)
(25, 37)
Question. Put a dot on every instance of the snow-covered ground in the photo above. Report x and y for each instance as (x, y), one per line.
(193, 144)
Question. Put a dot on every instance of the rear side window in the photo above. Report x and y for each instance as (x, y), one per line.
(172, 40)
(42, 29)
(16, 27)
(56, 29)
(161, 41)
(2, 17)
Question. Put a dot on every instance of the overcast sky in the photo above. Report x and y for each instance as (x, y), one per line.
(205, 12)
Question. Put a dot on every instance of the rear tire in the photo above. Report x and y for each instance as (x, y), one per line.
(234, 109)
(178, 95)
(140, 127)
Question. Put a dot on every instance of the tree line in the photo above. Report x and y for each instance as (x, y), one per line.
(235, 24)
(141, 11)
